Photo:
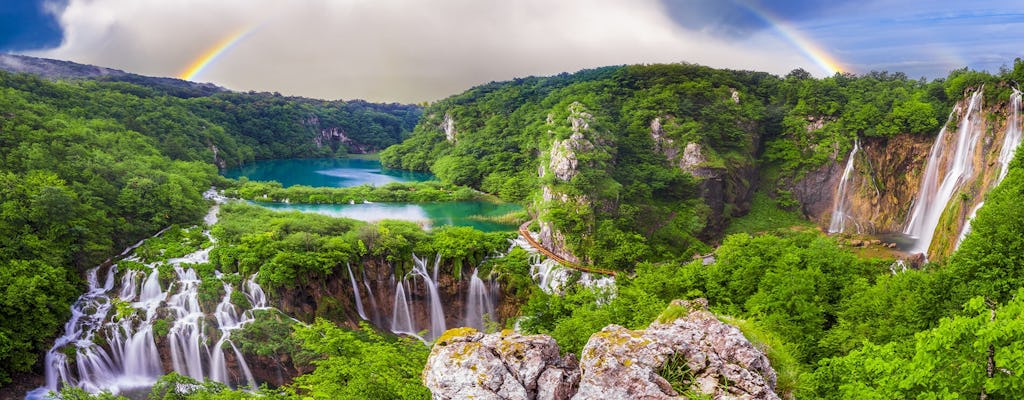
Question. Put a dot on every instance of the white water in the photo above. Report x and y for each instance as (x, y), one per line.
(401, 319)
(967, 225)
(1012, 139)
(479, 304)
(838, 224)
(115, 353)
(437, 324)
(355, 290)
(936, 191)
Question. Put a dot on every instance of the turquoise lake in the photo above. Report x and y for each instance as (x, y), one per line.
(351, 172)
(324, 172)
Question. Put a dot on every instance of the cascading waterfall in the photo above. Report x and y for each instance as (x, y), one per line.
(109, 342)
(967, 225)
(838, 224)
(355, 290)
(935, 191)
(401, 320)
(1011, 141)
(437, 324)
(479, 303)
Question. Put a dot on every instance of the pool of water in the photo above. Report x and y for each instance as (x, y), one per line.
(355, 172)
(324, 172)
(428, 215)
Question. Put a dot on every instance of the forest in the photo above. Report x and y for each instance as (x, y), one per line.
(83, 179)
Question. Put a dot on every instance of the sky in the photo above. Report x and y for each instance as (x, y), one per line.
(425, 50)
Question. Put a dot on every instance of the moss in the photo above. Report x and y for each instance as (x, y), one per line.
(450, 334)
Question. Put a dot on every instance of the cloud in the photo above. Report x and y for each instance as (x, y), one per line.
(394, 50)
(743, 18)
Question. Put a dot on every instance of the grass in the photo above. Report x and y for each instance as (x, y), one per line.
(787, 368)
(766, 216)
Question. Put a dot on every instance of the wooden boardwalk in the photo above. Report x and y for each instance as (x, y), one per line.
(525, 233)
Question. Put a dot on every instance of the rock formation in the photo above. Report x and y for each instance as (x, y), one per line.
(715, 359)
(467, 364)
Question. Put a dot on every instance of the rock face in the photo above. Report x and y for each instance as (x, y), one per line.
(619, 363)
(467, 364)
(726, 189)
(715, 358)
(563, 162)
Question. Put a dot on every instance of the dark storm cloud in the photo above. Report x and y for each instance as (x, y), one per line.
(26, 25)
(738, 18)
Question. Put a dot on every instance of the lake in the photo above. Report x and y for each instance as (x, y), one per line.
(355, 172)
(324, 172)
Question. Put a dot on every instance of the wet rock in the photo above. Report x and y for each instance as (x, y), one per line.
(466, 363)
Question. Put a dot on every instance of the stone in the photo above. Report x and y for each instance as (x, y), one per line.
(466, 363)
(619, 363)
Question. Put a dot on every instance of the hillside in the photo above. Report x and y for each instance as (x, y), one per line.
(636, 169)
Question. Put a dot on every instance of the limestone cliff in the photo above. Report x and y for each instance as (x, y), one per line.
(881, 190)
(887, 176)
(583, 147)
(727, 188)
(692, 354)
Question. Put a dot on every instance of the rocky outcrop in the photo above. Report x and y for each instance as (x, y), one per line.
(332, 136)
(467, 364)
(563, 161)
(881, 190)
(690, 353)
(726, 186)
(448, 126)
(619, 363)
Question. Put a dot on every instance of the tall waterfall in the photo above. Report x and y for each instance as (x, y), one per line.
(109, 343)
(839, 216)
(1011, 141)
(936, 191)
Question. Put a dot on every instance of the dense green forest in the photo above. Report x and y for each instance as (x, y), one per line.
(90, 167)
(226, 128)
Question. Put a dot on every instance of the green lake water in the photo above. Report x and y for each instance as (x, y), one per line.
(351, 172)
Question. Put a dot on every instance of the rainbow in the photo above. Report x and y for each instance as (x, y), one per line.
(210, 55)
(808, 47)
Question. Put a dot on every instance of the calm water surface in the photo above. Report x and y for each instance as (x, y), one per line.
(352, 172)
(324, 172)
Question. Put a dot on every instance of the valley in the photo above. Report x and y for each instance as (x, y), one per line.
(849, 236)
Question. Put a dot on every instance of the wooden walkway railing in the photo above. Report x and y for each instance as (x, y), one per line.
(524, 231)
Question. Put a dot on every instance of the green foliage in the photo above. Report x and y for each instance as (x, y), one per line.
(34, 303)
(767, 215)
(979, 352)
(417, 192)
(76, 393)
(361, 364)
(172, 243)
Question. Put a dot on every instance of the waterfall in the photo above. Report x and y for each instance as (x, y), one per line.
(109, 342)
(936, 191)
(839, 216)
(479, 303)
(373, 301)
(401, 320)
(355, 290)
(1012, 139)
(437, 324)
(967, 225)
